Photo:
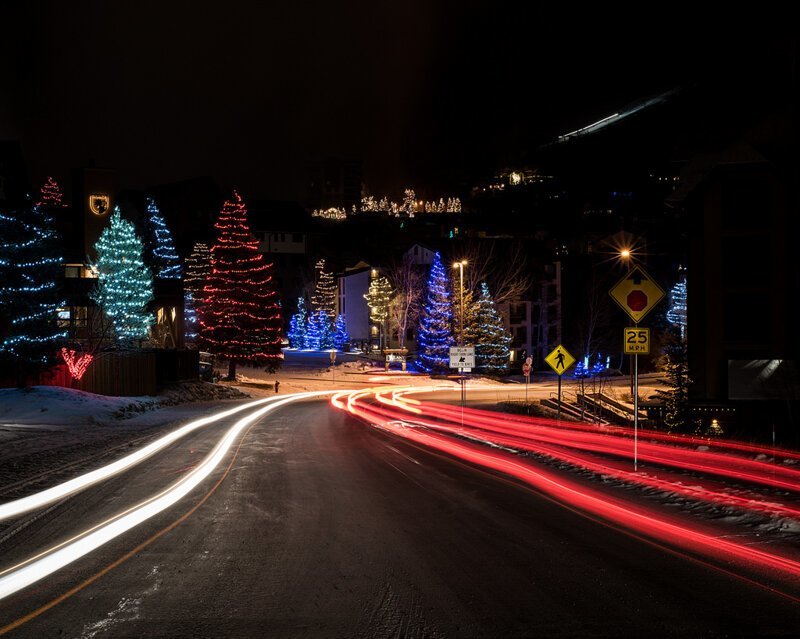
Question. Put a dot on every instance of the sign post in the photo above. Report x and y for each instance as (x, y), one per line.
(636, 294)
(560, 360)
(333, 365)
(526, 371)
(462, 358)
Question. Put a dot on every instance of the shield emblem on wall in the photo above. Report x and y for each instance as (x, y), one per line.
(99, 204)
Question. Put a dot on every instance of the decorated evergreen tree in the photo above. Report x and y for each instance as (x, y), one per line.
(124, 285)
(379, 297)
(240, 314)
(298, 325)
(677, 412)
(676, 315)
(340, 335)
(435, 336)
(491, 338)
(51, 196)
(163, 256)
(196, 269)
(314, 332)
(324, 298)
(325, 330)
(30, 265)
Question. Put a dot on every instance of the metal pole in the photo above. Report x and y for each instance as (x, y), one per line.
(635, 412)
(461, 271)
(559, 398)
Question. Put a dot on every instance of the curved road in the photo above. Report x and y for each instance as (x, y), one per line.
(325, 527)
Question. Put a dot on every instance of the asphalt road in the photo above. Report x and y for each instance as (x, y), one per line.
(326, 528)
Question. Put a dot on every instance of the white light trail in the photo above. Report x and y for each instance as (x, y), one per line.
(32, 570)
(50, 495)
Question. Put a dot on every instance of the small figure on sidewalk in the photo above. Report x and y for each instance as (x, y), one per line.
(277, 385)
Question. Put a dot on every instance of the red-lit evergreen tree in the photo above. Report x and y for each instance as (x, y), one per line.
(51, 195)
(240, 313)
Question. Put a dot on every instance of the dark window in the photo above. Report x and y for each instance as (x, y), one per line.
(297, 238)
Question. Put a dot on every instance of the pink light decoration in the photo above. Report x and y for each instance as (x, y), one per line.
(76, 367)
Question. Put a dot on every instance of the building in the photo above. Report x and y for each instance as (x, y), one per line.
(353, 285)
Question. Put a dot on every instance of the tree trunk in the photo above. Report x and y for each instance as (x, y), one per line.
(231, 370)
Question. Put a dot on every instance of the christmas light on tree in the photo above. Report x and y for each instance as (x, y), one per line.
(30, 266)
(340, 335)
(379, 297)
(325, 331)
(491, 339)
(324, 298)
(51, 195)
(125, 284)
(298, 325)
(240, 314)
(677, 313)
(166, 263)
(196, 269)
(435, 333)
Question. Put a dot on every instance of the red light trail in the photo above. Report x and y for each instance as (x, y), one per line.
(438, 427)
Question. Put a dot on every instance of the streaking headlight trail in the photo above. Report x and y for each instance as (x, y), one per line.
(32, 570)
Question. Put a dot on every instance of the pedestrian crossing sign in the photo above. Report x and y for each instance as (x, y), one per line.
(560, 360)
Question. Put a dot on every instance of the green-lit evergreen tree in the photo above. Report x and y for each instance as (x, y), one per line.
(125, 284)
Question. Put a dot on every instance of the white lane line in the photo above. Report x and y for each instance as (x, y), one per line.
(30, 571)
(37, 500)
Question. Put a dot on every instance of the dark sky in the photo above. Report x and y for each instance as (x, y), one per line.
(424, 93)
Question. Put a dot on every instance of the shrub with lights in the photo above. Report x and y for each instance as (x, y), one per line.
(240, 318)
(125, 284)
(435, 330)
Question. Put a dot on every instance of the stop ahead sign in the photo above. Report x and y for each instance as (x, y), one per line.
(637, 294)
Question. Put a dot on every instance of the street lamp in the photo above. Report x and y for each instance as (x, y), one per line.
(625, 254)
(460, 266)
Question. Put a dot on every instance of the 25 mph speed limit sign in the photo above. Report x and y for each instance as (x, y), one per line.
(637, 341)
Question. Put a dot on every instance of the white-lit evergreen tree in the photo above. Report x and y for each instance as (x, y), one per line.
(324, 298)
(196, 268)
(125, 283)
(30, 266)
(491, 339)
(379, 297)
(435, 330)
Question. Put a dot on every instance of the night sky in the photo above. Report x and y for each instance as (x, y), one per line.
(430, 94)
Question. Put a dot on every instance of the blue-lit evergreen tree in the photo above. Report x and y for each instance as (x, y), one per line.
(125, 284)
(30, 266)
(676, 315)
(325, 330)
(491, 339)
(298, 325)
(340, 336)
(164, 257)
(313, 332)
(435, 331)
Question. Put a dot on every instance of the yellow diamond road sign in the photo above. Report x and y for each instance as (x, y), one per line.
(637, 294)
(560, 359)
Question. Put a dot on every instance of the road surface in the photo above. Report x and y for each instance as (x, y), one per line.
(324, 527)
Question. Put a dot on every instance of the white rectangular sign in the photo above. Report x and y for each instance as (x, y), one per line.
(462, 357)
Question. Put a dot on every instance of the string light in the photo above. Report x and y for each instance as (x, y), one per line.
(165, 258)
(76, 367)
(240, 314)
(124, 284)
(677, 313)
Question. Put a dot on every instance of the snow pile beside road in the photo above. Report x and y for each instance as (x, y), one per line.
(54, 405)
(42, 405)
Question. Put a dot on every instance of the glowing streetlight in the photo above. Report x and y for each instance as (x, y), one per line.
(625, 254)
